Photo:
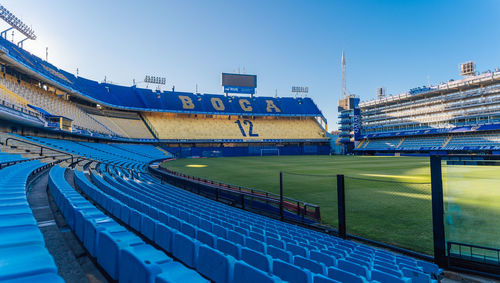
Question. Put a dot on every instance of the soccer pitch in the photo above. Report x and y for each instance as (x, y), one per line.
(388, 199)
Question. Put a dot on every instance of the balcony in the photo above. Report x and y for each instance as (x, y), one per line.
(345, 134)
(344, 114)
(345, 128)
(345, 140)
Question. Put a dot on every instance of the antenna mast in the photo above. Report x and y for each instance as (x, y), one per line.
(344, 94)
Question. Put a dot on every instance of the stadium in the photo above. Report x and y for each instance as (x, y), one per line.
(102, 182)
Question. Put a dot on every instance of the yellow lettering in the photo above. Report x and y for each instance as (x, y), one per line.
(246, 105)
(187, 103)
(217, 104)
(271, 106)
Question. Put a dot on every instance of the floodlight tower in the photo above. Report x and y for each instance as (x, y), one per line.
(344, 92)
(16, 24)
(349, 115)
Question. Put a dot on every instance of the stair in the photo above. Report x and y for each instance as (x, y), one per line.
(400, 143)
(366, 143)
(150, 127)
(360, 144)
(448, 139)
(166, 152)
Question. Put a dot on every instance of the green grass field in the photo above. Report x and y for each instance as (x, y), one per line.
(387, 198)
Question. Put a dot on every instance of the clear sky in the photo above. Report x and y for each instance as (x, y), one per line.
(395, 44)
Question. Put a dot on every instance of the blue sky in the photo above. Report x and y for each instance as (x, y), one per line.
(395, 44)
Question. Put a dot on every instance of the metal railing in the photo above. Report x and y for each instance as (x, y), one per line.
(37, 145)
(238, 195)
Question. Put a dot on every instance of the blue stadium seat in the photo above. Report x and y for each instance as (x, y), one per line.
(236, 237)
(215, 265)
(275, 242)
(176, 272)
(326, 259)
(148, 226)
(256, 259)
(353, 267)
(206, 238)
(228, 248)
(164, 236)
(45, 277)
(188, 229)
(297, 250)
(185, 249)
(22, 261)
(308, 264)
(245, 273)
(110, 247)
(324, 279)
(281, 254)
(290, 273)
(381, 276)
(255, 245)
(344, 276)
(141, 263)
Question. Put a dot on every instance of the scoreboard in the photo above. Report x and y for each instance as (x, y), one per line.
(237, 83)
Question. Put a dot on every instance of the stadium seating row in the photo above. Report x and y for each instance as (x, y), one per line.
(273, 247)
(220, 242)
(167, 125)
(171, 126)
(127, 155)
(23, 256)
(472, 141)
(125, 127)
(54, 105)
(122, 254)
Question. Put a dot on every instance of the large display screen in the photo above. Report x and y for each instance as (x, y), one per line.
(239, 80)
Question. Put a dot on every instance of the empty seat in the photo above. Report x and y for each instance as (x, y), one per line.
(141, 263)
(256, 259)
(164, 236)
(16, 264)
(206, 238)
(228, 248)
(278, 253)
(215, 265)
(245, 273)
(290, 273)
(326, 259)
(311, 265)
(344, 276)
(353, 267)
(185, 249)
(386, 277)
(297, 250)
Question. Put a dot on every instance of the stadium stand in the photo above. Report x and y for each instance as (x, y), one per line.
(123, 255)
(454, 117)
(133, 98)
(132, 127)
(23, 255)
(120, 155)
(419, 142)
(491, 140)
(216, 240)
(53, 104)
(455, 142)
(177, 126)
(37, 95)
(12, 98)
(382, 144)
